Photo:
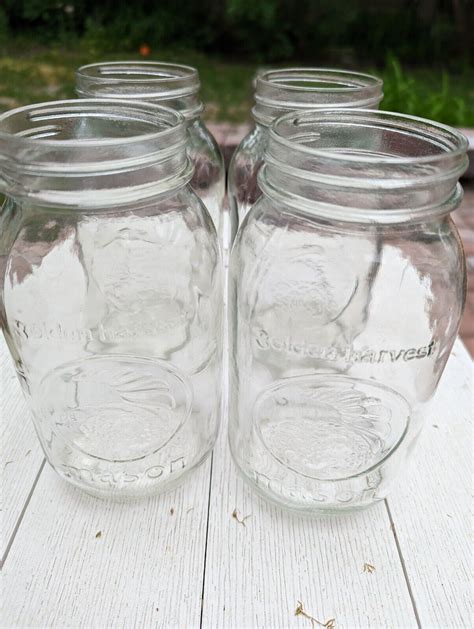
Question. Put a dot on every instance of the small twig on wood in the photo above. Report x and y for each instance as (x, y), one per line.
(236, 517)
(299, 611)
(369, 568)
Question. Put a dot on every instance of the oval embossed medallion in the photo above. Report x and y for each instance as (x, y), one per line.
(330, 427)
(116, 408)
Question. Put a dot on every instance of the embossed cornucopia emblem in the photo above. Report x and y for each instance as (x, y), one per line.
(117, 408)
(330, 427)
(302, 287)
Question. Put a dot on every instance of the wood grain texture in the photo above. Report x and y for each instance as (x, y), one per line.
(144, 569)
(21, 454)
(256, 574)
(431, 509)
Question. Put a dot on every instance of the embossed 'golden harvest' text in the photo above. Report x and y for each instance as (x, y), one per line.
(264, 341)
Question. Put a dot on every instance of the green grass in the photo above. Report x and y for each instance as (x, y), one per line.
(31, 74)
(35, 75)
(430, 94)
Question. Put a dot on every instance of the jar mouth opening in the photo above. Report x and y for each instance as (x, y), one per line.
(92, 152)
(318, 80)
(150, 81)
(343, 136)
(163, 77)
(295, 89)
(93, 123)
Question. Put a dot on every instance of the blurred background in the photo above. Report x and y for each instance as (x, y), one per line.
(423, 50)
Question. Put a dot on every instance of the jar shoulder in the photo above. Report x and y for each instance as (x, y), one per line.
(250, 151)
(244, 168)
(202, 142)
(172, 223)
(434, 247)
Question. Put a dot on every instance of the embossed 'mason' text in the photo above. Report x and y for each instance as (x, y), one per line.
(122, 477)
(264, 341)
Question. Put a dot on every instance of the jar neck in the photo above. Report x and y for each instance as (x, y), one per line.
(92, 154)
(166, 84)
(76, 191)
(278, 92)
(364, 166)
(323, 203)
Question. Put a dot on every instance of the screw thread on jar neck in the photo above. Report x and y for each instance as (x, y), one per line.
(173, 85)
(364, 165)
(278, 92)
(92, 153)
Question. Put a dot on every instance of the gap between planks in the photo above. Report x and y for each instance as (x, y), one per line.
(402, 561)
(206, 539)
(20, 518)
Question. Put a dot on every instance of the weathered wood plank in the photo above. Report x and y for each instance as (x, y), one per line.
(144, 569)
(431, 509)
(256, 574)
(58, 573)
(21, 455)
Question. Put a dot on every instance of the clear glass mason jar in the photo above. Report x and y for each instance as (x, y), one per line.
(111, 292)
(175, 86)
(293, 89)
(347, 284)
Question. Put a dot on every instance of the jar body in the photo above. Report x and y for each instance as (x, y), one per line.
(113, 318)
(243, 189)
(339, 333)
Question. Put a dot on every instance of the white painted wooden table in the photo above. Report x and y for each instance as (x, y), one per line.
(182, 560)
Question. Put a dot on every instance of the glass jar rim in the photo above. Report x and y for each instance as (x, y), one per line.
(364, 165)
(92, 152)
(152, 114)
(341, 80)
(179, 78)
(455, 143)
(280, 91)
(150, 81)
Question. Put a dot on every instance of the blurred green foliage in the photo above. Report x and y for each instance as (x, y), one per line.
(31, 73)
(416, 31)
(423, 49)
(429, 94)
